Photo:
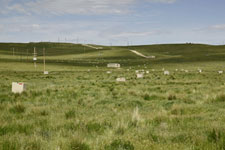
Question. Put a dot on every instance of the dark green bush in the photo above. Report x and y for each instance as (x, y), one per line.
(220, 98)
(147, 97)
(9, 145)
(120, 145)
(70, 114)
(172, 97)
(17, 109)
(34, 145)
(77, 145)
(94, 127)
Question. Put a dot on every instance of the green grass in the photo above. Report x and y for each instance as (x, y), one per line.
(79, 106)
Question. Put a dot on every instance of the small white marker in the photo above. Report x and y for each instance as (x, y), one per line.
(166, 73)
(18, 87)
(121, 79)
(220, 72)
(140, 75)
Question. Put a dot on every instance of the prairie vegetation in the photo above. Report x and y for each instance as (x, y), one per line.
(78, 106)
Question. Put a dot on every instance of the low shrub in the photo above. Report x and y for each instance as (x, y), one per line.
(77, 145)
(70, 114)
(120, 145)
(172, 97)
(17, 109)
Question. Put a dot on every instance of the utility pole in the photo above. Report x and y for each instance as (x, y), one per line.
(44, 58)
(35, 58)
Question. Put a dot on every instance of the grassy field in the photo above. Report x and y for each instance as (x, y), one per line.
(78, 106)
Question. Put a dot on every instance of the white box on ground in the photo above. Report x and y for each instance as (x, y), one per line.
(151, 57)
(108, 72)
(45, 72)
(34, 59)
(220, 72)
(140, 75)
(121, 80)
(18, 87)
(166, 73)
(113, 65)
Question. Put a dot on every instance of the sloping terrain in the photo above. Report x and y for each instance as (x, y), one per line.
(183, 52)
(78, 105)
(68, 54)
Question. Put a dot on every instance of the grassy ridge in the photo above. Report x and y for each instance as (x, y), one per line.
(183, 52)
(166, 53)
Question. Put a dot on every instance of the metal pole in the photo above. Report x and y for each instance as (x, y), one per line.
(44, 58)
(35, 64)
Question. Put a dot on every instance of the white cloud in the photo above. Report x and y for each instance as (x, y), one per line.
(162, 1)
(212, 28)
(218, 27)
(136, 34)
(61, 7)
(17, 8)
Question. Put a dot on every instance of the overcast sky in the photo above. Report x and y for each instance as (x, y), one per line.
(116, 22)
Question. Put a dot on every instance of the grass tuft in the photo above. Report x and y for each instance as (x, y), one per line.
(94, 127)
(172, 97)
(120, 145)
(219, 98)
(70, 114)
(17, 109)
(77, 145)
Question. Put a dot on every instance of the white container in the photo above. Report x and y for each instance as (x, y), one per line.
(140, 75)
(166, 73)
(220, 72)
(113, 65)
(18, 87)
(34, 59)
(108, 72)
(121, 80)
(45, 72)
(151, 57)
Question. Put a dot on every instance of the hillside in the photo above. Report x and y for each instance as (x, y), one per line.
(68, 54)
(183, 52)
